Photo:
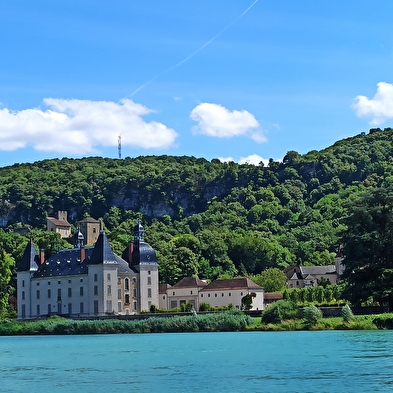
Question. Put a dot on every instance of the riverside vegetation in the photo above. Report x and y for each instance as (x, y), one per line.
(220, 220)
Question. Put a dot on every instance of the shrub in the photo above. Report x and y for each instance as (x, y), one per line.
(347, 314)
(312, 314)
(280, 311)
(204, 307)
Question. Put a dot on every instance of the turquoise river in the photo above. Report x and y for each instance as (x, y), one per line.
(328, 361)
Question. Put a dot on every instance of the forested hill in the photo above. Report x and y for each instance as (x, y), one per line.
(207, 217)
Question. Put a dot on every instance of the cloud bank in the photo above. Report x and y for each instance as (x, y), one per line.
(379, 108)
(253, 159)
(217, 121)
(81, 126)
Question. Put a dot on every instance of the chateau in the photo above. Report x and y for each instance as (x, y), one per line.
(88, 281)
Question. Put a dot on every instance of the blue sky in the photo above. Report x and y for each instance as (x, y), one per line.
(244, 80)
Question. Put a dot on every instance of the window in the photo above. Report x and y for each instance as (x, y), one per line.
(229, 294)
(191, 292)
(49, 293)
(81, 280)
(95, 290)
(94, 230)
(127, 299)
(148, 272)
(134, 293)
(69, 292)
(109, 306)
(38, 309)
(81, 291)
(173, 293)
(59, 282)
(69, 308)
(38, 294)
(134, 306)
(215, 295)
(23, 283)
(148, 280)
(38, 284)
(201, 294)
(23, 295)
(81, 308)
(23, 310)
(59, 294)
(118, 280)
(69, 281)
(108, 276)
(119, 293)
(222, 295)
(149, 304)
(127, 284)
(95, 277)
(134, 280)
(48, 282)
(208, 295)
(173, 304)
(119, 306)
(109, 290)
(148, 292)
(49, 309)
(95, 306)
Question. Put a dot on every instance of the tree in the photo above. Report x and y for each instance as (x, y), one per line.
(368, 247)
(271, 280)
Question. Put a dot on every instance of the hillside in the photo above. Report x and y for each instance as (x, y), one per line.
(206, 217)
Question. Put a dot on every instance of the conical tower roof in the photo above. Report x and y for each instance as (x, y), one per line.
(30, 260)
(102, 252)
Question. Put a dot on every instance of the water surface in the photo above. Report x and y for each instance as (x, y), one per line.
(332, 361)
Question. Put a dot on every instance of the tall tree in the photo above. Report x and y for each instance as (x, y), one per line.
(368, 272)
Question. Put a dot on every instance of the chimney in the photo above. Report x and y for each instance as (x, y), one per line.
(42, 256)
(82, 253)
(130, 251)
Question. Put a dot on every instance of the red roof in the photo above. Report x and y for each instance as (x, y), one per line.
(190, 282)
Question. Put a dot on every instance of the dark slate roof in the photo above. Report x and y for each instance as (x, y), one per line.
(68, 262)
(142, 254)
(233, 283)
(318, 270)
(102, 252)
(29, 260)
(64, 263)
(190, 282)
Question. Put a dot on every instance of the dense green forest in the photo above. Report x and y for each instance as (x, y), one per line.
(204, 218)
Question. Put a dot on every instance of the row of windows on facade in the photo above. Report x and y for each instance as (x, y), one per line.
(81, 292)
(126, 281)
(81, 308)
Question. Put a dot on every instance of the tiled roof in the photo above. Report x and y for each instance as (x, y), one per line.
(234, 283)
(59, 223)
(273, 296)
(318, 270)
(190, 282)
(162, 288)
(89, 219)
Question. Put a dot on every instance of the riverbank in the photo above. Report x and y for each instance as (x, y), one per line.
(217, 322)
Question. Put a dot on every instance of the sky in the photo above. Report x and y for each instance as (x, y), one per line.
(241, 80)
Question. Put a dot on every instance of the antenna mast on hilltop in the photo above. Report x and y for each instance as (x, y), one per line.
(119, 146)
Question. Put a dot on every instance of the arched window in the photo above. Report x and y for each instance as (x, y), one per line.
(127, 284)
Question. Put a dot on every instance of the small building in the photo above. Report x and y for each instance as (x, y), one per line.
(221, 293)
(308, 276)
(59, 224)
(270, 298)
(88, 281)
(185, 291)
(90, 228)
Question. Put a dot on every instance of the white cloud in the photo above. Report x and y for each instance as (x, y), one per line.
(216, 120)
(379, 108)
(81, 126)
(253, 159)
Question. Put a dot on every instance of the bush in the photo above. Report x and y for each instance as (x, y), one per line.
(280, 311)
(312, 314)
(204, 307)
(347, 314)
